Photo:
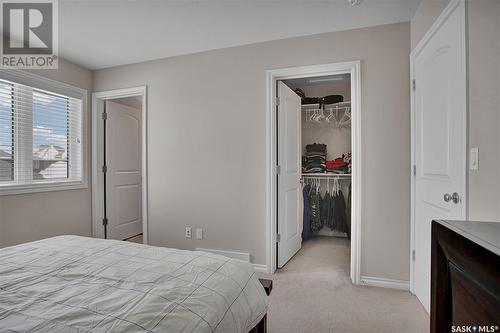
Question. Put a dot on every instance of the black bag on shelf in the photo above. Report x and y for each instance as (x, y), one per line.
(310, 100)
(331, 99)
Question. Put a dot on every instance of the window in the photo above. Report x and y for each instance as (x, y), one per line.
(6, 138)
(40, 137)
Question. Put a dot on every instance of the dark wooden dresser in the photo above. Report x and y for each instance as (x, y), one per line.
(465, 276)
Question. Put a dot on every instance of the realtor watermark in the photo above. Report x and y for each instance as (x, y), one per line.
(29, 34)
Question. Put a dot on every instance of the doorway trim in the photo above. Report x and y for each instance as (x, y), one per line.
(354, 69)
(97, 156)
(442, 18)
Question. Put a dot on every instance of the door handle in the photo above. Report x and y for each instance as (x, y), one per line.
(455, 197)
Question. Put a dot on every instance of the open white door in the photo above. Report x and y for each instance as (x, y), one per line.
(439, 150)
(289, 161)
(123, 178)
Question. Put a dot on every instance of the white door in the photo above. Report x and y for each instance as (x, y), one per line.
(123, 178)
(440, 139)
(289, 161)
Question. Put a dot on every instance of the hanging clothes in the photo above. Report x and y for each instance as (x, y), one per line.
(348, 212)
(314, 204)
(306, 230)
(331, 218)
(339, 213)
(301, 217)
(325, 209)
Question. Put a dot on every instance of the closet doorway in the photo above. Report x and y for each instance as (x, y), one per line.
(119, 177)
(314, 138)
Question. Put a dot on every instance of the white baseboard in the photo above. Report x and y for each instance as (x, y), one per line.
(385, 283)
(242, 256)
(259, 268)
(325, 231)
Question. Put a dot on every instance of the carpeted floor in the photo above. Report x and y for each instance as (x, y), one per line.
(135, 239)
(313, 293)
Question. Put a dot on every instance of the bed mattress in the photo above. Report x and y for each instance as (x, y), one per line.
(80, 284)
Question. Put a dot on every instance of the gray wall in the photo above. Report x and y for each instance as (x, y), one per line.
(207, 140)
(425, 15)
(484, 108)
(27, 217)
(483, 18)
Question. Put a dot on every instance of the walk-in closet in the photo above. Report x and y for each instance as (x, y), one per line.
(325, 167)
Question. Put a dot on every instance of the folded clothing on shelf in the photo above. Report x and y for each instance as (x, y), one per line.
(335, 164)
(338, 165)
(347, 157)
(319, 148)
(314, 160)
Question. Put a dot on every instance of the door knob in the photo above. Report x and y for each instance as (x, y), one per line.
(455, 197)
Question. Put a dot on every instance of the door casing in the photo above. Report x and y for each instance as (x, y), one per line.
(450, 8)
(97, 156)
(354, 69)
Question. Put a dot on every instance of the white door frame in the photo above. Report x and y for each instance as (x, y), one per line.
(450, 8)
(354, 69)
(98, 158)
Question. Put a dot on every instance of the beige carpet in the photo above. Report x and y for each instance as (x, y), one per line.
(135, 239)
(313, 293)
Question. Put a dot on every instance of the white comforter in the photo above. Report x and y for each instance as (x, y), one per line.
(80, 284)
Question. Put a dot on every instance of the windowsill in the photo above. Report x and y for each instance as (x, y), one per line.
(42, 187)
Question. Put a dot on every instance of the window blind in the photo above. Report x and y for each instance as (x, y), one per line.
(40, 136)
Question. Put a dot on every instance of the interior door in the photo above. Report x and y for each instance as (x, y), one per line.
(289, 161)
(123, 178)
(440, 139)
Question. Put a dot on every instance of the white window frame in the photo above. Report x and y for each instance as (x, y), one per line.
(52, 86)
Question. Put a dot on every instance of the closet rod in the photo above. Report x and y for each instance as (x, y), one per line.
(326, 175)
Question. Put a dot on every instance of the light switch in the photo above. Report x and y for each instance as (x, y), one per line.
(474, 158)
(199, 233)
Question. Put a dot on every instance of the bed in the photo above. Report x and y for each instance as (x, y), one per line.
(81, 284)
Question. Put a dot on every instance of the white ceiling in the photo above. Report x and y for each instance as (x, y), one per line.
(100, 34)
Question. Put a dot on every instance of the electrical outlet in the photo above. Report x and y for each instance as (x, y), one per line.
(199, 233)
(188, 232)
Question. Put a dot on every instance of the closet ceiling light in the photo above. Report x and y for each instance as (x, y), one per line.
(326, 79)
(354, 2)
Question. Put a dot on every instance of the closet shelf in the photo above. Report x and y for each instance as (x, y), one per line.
(328, 175)
(334, 106)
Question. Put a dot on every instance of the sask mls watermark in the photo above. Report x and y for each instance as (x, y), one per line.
(474, 329)
(29, 34)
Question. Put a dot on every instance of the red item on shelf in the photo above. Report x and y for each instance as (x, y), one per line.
(335, 164)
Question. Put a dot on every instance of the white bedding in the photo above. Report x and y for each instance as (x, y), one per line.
(80, 284)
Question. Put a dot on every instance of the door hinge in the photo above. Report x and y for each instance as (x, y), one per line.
(414, 170)
(104, 169)
(104, 116)
(277, 101)
(104, 221)
(413, 255)
(278, 169)
(414, 84)
(278, 238)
